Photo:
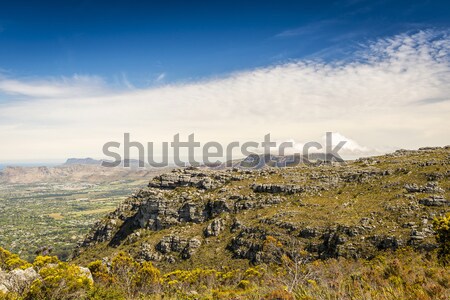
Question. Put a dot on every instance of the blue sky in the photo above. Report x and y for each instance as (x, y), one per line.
(77, 74)
(144, 42)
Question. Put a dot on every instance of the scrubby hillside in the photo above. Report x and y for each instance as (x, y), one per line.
(203, 218)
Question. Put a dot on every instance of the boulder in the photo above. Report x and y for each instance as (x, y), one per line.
(19, 280)
(86, 272)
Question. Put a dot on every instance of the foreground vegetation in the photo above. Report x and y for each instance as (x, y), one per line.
(404, 274)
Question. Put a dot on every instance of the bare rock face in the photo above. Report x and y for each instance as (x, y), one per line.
(362, 176)
(215, 227)
(309, 232)
(171, 243)
(191, 247)
(277, 188)
(248, 244)
(148, 253)
(435, 201)
(184, 247)
(430, 187)
(192, 177)
(333, 244)
(191, 212)
(156, 214)
(388, 242)
(18, 280)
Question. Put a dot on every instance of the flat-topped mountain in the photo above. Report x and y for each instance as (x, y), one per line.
(83, 161)
(74, 171)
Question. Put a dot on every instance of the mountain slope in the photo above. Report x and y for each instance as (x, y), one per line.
(192, 217)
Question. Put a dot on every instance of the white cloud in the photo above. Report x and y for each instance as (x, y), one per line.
(349, 150)
(394, 93)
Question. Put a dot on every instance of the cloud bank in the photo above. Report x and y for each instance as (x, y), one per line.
(392, 93)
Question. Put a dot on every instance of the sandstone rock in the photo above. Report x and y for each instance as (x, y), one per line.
(3, 289)
(190, 248)
(215, 227)
(387, 242)
(3, 279)
(413, 188)
(416, 236)
(277, 188)
(248, 244)
(215, 208)
(237, 225)
(434, 201)
(171, 243)
(19, 280)
(330, 248)
(191, 212)
(147, 253)
(309, 232)
(430, 187)
(189, 177)
(361, 176)
(86, 272)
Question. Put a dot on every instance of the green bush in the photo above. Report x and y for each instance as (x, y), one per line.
(442, 228)
(9, 261)
(61, 282)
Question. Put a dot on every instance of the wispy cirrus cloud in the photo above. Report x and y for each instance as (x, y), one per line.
(160, 77)
(375, 98)
(308, 29)
(63, 87)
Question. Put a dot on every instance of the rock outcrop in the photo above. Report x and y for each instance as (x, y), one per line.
(435, 201)
(215, 227)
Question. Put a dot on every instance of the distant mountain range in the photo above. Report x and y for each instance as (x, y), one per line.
(132, 163)
(75, 170)
(91, 170)
(83, 161)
